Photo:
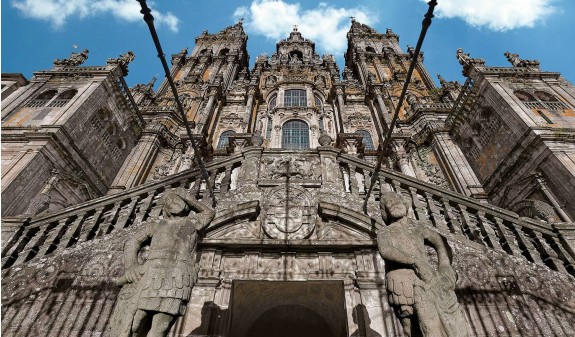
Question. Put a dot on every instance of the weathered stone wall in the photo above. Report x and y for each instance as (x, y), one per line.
(72, 292)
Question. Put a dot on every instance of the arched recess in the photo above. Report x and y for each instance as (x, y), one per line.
(63, 98)
(366, 139)
(290, 320)
(42, 99)
(295, 135)
(224, 140)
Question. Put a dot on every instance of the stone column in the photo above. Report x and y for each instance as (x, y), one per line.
(341, 106)
(383, 108)
(140, 160)
(403, 158)
(249, 108)
(216, 68)
(205, 115)
(543, 187)
(363, 69)
(456, 167)
(230, 70)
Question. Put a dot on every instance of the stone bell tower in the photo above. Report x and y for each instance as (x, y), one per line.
(66, 134)
(516, 127)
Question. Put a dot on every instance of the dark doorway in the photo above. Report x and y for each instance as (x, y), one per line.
(285, 309)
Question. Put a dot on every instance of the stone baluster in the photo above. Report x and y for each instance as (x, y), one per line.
(557, 245)
(452, 220)
(213, 175)
(510, 243)
(551, 255)
(436, 217)
(566, 233)
(73, 232)
(52, 240)
(91, 227)
(144, 208)
(529, 248)
(14, 253)
(353, 183)
(126, 212)
(489, 235)
(31, 248)
(419, 207)
(468, 226)
(366, 180)
(111, 219)
(226, 181)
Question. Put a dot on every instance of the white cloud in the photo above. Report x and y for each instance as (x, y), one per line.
(326, 25)
(498, 15)
(59, 11)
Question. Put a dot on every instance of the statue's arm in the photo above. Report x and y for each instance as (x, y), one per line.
(204, 213)
(391, 250)
(437, 241)
(131, 249)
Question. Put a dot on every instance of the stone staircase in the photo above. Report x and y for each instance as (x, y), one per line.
(342, 177)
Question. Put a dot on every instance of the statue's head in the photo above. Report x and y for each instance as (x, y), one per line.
(174, 204)
(393, 206)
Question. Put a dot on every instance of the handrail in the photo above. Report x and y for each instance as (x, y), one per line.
(451, 213)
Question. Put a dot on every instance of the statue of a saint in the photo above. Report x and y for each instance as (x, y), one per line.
(423, 296)
(159, 289)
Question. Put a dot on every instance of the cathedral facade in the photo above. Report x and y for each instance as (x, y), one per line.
(486, 169)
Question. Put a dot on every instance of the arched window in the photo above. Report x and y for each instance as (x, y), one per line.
(295, 97)
(366, 138)
(540, 100)
(317, 101)
(272, 103)
(224, 51)
(551, 102)
(295, 135)
(63, 98)
(269, 128)
(370, 50)
(41, 99)
(225, 139)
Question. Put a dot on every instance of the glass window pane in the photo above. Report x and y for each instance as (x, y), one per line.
(295, 97)
(295, 135)
(224, 139)
(367, 141)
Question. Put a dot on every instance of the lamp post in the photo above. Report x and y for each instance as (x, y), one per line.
(424, 27)
(149, 19)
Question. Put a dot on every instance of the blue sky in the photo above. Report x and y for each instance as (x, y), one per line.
(35, 32)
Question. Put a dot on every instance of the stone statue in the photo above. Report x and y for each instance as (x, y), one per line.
(160, 288)
(423, 297)
(75, 59)
(516, 61)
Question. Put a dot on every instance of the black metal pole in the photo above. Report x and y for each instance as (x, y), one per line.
(149, 19)
(424, 26)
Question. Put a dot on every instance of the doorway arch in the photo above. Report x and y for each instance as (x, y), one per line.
(290, 320)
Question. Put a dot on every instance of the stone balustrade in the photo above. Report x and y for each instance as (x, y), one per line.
(334, 173)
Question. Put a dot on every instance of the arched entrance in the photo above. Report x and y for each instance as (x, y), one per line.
(288, 308)
(289, 321)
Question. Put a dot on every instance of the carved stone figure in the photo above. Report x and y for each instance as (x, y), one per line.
(160, 288)
(423, 297)
(75, 59)
(516, 61)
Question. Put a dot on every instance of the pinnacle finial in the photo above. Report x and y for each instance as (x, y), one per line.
(295, 28)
